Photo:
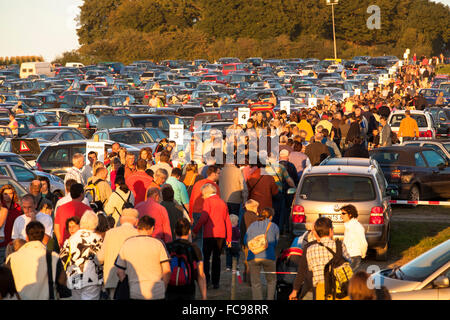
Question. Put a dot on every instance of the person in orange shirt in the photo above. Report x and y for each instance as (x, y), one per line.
(408, 127)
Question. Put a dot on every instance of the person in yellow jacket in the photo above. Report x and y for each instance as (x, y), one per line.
(305, 125)
(408, 127)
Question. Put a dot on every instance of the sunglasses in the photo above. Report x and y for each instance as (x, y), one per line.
(344, 213)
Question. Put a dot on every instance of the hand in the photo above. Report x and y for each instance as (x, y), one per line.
(228, 244)
(293, 295)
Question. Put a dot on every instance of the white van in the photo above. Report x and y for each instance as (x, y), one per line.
(36, 68)
(74, 65)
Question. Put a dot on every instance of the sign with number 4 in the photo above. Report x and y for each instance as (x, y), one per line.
(243, 115)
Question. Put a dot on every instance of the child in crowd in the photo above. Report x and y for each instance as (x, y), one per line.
(234, 251)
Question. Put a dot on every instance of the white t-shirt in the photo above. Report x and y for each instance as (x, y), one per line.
(355, 239)
(22, 221)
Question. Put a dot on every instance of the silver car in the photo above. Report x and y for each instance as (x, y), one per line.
(324, 189)
(426, 277)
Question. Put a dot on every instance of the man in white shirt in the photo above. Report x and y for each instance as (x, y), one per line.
(87, 171)
(354, 236)
(29, 210)
(75, 172)
(67, 198)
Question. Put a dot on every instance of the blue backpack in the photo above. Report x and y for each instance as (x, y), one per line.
(182, 264)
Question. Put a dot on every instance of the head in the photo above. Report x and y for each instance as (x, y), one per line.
(192, 167)
(167, 193)
(383, 120)
(234, 220)
(259, 116)
(208, 190)
(154, 194)
(69, 184)
(284, 155)
(251, 205)
(78, 160)
(101, 173)
(143, 154)
(35, 187)
(407, 113)
(164, 156)
(116, 163)
(358, 288)
(129, 160)
(182, 228)
(35, 231)
(176, 173)
(349, 212)
(77, 192)
(160, 176)
(92, 157)
(89, 221)
(11, 116)
(73, 224)
(29, 205)
(115, 147)
(46, 207)
(45, 184)
(323, 228)
(8, 194)
(141, 165)
(213, 173)
(129, 215)
(266, 213)
(146, 225)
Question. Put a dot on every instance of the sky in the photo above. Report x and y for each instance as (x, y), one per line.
(43, 27)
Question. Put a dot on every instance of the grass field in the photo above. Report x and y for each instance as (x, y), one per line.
(410, 239)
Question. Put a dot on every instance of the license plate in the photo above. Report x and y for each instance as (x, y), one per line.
(333, 217)
(73, 125)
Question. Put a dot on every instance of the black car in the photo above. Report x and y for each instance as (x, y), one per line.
(85, 123)
(420, 173)
(441, 117)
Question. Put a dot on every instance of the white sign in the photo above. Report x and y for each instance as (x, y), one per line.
(407, 51)
(405, 56)
(370, 86)
(400, 63)
(345, 95)
(176, 133)
(286, 106)
(312, 102)
(98, 147)
(243, 115)
(357, 91)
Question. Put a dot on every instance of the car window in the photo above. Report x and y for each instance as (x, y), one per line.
(77, 136)
(338, 188)
(79, 149)
(17, 159)
(66, 136)
(43, 135)
(132, 137)
(435, 148)
(382, 183)
(23, 174)
(386, 157)
(433, 158)
(59, 155)
(93, 120)
(419, 160)
(4, 172)
(420, 119)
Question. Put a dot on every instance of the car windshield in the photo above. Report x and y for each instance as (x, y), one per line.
(17, 159)
(338, 188)
(420, 118)
(43, 135)
(424, 265)
(132, 137)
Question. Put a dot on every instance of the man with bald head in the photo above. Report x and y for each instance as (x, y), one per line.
(152, 208)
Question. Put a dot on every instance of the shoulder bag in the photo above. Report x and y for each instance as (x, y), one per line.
(259, 243)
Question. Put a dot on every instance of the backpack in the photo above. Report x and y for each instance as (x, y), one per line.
(92, 193)
(182, 264)
(126, 203)
(337, 273)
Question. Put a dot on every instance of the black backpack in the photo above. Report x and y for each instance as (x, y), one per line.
(182, 264)
(126, 203)
(337, 273)
(93, 192)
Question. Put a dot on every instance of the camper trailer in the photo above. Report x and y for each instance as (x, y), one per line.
(36, 68)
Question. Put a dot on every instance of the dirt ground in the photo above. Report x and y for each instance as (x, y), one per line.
(400, 213)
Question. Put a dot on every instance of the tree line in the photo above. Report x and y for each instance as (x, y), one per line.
(187, 29)
(6, 61)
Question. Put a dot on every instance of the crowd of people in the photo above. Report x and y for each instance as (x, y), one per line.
(161, 224)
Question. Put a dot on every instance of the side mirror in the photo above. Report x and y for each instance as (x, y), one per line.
(441, 282)
(392, 191)
(291, 191)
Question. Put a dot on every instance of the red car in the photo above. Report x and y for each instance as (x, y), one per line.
(232, 67)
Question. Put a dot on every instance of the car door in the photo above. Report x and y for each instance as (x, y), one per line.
(424, 174)
(440, 173)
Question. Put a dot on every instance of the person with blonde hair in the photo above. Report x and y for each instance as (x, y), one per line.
(250, 216)
(78, 255)
(359, 288)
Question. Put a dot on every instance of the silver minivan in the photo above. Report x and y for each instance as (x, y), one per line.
(324, 189)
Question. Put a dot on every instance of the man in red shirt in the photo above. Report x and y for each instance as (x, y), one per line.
(217, 228)
(139, 182)
(196, 200)
(73, 208)
(152, 208)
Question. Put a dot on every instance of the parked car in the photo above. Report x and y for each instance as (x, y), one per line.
(442, 146)
(56, 158)
(427, 277)
(137, 137)
(324, 189)
(55, 135)
(99, 110)
(420, 173)
(85, 123)
(21, 191)
(431, 94)
(424, 121)
(441, 118)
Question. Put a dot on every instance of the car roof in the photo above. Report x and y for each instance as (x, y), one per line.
(340, 169)
(427, 141)
(400, 148)
(348, 161)
(122, 129)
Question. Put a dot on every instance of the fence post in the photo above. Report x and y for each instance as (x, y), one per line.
(233, 278)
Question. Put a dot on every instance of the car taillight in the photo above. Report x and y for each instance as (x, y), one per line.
(87, 124)
(395, 174)
(298, 214)
(39, 167)
(376, 216)
(426, 134)
(59, 124)
(61, 97)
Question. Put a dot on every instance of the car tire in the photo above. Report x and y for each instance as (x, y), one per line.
(414, 194)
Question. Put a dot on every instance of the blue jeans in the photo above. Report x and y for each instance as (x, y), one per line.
(199, 240)
(231, 253)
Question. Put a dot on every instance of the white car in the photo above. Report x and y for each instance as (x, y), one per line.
(424, 121)
(426, 277)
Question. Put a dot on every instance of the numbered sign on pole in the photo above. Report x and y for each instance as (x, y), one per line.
(243, 115)
(98, 147)
(357, 91)
(176, 133)
(286, 106)
(312, 102)
(400, 63)
(370, 86)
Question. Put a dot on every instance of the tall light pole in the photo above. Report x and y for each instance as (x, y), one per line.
(332, 3)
